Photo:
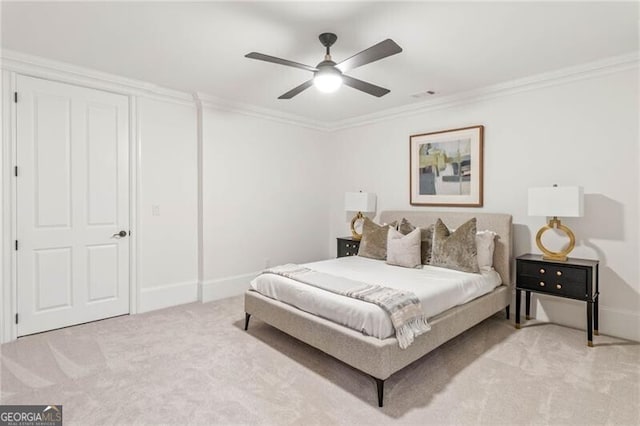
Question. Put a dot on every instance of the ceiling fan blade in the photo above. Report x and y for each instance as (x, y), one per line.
(372, 54)
(296, 90)
(267, 58)
(369, 88)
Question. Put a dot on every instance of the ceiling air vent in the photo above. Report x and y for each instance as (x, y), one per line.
(423, 94)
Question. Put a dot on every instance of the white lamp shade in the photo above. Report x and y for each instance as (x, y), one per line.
(561, 201)
(359, 202)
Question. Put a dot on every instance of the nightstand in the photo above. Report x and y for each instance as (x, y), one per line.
(347, 246)
(574, 279)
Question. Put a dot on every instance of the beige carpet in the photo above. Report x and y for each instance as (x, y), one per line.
(193, 364)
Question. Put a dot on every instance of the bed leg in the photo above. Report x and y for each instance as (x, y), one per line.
(507, 309)
(246, 321)
(380, 385)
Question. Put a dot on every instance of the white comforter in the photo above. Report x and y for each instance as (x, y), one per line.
(438, 289)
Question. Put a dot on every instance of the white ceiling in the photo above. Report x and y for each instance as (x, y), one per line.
(200, 47)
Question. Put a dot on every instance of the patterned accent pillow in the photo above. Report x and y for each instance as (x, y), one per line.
(455, 250)
(426, 238)
(404, 250)
(374, 239)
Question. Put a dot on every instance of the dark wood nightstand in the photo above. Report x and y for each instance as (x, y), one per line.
(574, 279)
(347, 246)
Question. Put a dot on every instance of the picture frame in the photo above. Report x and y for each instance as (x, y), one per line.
(446, 168)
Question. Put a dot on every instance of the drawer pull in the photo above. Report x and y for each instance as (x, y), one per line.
(348, 254)
(558, 286)
(559, 273)
(541, 283)
(347, 245)
(542, 270)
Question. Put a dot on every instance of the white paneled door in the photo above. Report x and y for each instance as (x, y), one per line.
(72, 204)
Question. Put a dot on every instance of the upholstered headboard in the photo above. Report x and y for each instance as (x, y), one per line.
(497, 222)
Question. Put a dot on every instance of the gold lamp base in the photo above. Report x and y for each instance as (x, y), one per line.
(560, 256)
(354, 233)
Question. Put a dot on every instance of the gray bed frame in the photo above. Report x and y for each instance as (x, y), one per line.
(380, 358)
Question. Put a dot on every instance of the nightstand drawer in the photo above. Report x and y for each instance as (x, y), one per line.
(553, 285)
(550, 272)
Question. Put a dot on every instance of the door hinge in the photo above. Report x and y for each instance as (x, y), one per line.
(15, 171)
(15, 97)
(16, 318)
(16, 244)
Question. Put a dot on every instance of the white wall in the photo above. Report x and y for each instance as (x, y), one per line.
(579, 133)
(168, 204)
(265, 198)
(273, 192)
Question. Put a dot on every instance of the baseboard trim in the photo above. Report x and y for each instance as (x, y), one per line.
(153, 298)
(620, 323)
(222, 288)
(615, 322)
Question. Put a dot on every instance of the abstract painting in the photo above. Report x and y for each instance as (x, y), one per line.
(446, 167)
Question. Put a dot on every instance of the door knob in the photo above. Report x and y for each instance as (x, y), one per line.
(119, 235)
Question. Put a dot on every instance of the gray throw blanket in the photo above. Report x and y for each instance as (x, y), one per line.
(403, 307)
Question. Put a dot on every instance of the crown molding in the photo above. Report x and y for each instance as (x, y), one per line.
(46, 68)
(36, 66)
(538, 81)
(214, 102)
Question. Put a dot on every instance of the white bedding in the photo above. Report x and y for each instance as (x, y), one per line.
(438, 289)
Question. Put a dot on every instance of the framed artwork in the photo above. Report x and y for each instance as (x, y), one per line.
(445, 168)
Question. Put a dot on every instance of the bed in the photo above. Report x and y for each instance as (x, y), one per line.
(382, 357)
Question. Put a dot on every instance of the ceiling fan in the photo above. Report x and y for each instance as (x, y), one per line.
(329, 76)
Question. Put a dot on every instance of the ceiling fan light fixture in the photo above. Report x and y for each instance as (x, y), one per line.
(328, 76)
(327, 80)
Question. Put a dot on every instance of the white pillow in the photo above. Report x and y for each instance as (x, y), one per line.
(404, 250)
(485, 244)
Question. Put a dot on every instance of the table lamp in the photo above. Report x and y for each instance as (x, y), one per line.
(359, 202)
(556, 201)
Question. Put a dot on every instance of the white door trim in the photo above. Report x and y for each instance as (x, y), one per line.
(134, 192)
(13, 63)
(8, 289)
(8, 331)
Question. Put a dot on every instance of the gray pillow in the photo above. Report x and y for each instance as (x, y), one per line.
(374, 239)
(426, 238)
(404, 250)
(455, 250)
